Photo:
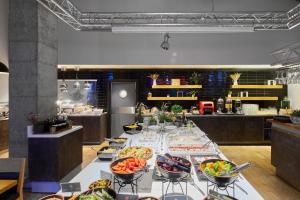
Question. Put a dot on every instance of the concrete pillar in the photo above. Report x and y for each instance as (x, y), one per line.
(33, 69)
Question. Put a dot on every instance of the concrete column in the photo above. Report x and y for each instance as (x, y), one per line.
(33, 69)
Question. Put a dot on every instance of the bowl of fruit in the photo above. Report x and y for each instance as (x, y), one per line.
(128, 168)
(173, 167)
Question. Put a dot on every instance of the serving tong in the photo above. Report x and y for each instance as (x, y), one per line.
(167, 158)
(237, 169)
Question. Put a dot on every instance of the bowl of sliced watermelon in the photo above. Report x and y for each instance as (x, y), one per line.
(128, 168)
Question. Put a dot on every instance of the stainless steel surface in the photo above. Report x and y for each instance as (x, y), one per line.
(95, 21)
(123, 110)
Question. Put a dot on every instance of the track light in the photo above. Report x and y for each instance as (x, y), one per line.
(165, 44)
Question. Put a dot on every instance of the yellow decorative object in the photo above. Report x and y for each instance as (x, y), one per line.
(154, 77)
(235, 77)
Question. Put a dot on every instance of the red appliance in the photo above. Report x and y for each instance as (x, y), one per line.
(206, 107)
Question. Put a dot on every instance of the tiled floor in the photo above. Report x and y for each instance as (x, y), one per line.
(261, 175)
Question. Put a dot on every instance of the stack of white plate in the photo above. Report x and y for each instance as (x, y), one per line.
(250, 109)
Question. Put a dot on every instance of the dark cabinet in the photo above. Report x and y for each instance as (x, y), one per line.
(3, 134)
(285, 156)
(232, 129)
(94, 127)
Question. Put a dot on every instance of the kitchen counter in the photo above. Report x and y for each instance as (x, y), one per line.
(86, 115)
(55, 135)
(285, 148)
(235, 129)
(288, 126)
(228, 115)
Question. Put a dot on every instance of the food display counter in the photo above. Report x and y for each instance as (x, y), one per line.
(285, 148)
(94, 126)
(234, 129)
(152, 182)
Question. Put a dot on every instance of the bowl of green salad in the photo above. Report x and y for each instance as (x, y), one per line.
(218, 171)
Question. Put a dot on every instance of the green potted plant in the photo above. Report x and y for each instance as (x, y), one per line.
(176, 109)
(195, 78)
(295, 117)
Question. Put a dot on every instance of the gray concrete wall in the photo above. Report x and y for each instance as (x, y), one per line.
(215, 48)
(33, 69)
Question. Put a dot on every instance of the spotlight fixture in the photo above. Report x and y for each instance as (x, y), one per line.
(165, 44)
(3, 68)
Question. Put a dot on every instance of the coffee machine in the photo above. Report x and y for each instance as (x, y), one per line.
(206, 107)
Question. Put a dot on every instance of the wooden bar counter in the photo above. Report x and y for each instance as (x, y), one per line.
(234, 129)
(52, 157)
(285, 152)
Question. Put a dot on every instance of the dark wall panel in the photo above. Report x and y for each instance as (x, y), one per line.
(215, 83)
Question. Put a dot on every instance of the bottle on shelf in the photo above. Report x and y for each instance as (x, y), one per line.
(238, 106)
(228, 105)
(220, 105)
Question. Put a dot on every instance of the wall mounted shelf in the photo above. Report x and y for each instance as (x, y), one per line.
(256, 86)
(255, 98)
(176, 86)
(172, 98)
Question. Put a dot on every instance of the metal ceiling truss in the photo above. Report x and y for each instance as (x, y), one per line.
(288, 56)
(95, 21)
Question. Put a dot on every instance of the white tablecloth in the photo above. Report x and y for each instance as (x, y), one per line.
(92, 172)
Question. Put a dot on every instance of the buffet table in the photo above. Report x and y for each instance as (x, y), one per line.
(99, 170)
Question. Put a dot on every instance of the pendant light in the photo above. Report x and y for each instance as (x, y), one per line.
(3, 68)
(63, 85)
(86, 85)
(76, 85)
